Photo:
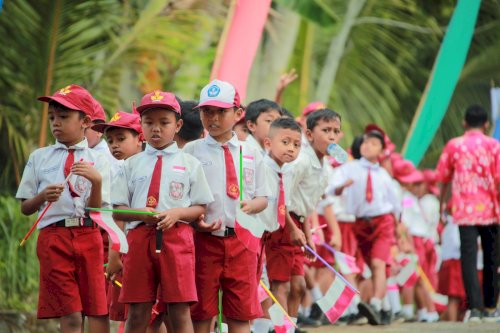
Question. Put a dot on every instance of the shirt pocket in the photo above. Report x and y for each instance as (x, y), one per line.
(178, 186)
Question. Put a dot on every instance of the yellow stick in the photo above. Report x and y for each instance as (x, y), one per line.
(425, 279)
(276, 301)
(118, 283)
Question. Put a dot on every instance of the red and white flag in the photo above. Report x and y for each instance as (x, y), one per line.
(336, 300)
(281, 322)
(440, 301)
(261, 294)
(347, 264)
(249, 230)
(408, 275)
(117, 236)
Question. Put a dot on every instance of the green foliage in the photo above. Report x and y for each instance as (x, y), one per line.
(18, 265)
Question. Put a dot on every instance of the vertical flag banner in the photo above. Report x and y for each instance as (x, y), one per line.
(249, 230)
(495, 112)
(240, 44)
(444, 78)
(336, 300)
(105, 220)
(281, 323)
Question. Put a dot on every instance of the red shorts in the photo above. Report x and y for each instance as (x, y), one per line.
(375, 237)
(450, 279)
(427, 258)
(284, 260)
(225, 263)
(349, 241)
(321, 250)
(71, 272)
(170, 273)
(117, 311)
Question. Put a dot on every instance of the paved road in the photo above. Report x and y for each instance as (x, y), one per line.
(441, 327)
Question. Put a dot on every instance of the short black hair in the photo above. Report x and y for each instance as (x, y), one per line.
(192, 127)
(322, 114)
(59, 107)
(256, 108)
(356, 146)
(285, 123)
(476, 116)
(377, 135)
(285, 113)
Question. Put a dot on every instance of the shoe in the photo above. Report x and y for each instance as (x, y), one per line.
(386, 317)
(358, 319)
(370, 313)
(475, 316)
(316, 312)
(299, 330)
(398, 318)
(342, 321)
(491, 316)
(307, 321)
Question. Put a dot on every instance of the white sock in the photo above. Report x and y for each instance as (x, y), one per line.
(395, 300)
(316, 294)
(353, 308)
(292, 329)
(432, 317)
(386, 305)
(262, 325)
(376, 303)
(407, 310)
(301, 309)
(422, 314)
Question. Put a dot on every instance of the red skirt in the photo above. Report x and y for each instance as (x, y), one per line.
(450, 279)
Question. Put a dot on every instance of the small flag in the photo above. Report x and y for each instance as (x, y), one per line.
(336, 300)
(105, 221)
(440, 301)
(262, 294)
(408, 276)
(347, 264)
(281, 323)
(249, 230)
(367, 272)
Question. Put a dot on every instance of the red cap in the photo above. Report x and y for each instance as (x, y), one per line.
(311, 107)
(73, 97)
(405, 172)
(123, 120)
(159, 99)
(98, 111)
(431, 179)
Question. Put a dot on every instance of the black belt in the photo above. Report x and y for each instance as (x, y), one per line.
(76, 222)
(229, 232)
(300, 218)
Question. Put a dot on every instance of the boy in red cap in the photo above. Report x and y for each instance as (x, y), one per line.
(124, 138)
(371, 197)
(69, 245)
(164, 180)
(223, 261)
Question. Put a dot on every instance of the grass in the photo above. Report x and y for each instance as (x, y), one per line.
(18, 265)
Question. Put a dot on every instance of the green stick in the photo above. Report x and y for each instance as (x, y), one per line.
(126, 211)
(220, 311)
(241, 173)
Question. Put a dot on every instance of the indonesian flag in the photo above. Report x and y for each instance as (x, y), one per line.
(347, 264)
(249, 230)
(408, 276)
(262, 294)
(337, 300)
(105, 221)
(440, 301)
(281, 323)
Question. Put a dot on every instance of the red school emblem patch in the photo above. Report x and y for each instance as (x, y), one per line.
(248, 175)
(176, 190)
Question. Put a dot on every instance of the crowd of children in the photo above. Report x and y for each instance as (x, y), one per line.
(189, 183)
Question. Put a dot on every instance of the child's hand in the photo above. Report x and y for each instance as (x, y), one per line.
(297, 237)
(149, 219)
(86, 170)
(168, 218)
(53, 192)
(115, 265)
(246, 207)
(341, 188)
(202, 226)
(287, 78)
(336, 242)
(308, 253)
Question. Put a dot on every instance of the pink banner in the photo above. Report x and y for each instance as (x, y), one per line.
(242, 42)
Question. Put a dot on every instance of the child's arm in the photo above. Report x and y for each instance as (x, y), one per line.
(254, 206)
(285, 80)
(309, 241)
(336, 241)
(86, 170)
(297, 237)
(170, 216)
(51, 193)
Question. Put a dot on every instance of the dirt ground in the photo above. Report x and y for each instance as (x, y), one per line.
(441, 327)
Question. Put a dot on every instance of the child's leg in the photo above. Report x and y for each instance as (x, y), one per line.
(297, 291)
(98, 324)
(157, 325)
(180, 317)
(71, 323)
(281, 290)
(238, 326)
(138, 318)
(379, 278)
(453, 308)
(202, 326)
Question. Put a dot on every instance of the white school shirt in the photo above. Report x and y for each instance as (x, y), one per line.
(211, 155)
(252, 143)
(412, 217)
(103, 148)
(307, 178)
(269, 216)
(46, 166)
(183, 183)
(450, 241)
(429, 204)
(385, 199)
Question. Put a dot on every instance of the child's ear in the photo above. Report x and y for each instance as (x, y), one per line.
(251, 126)
(87, 122)
(178, 126)
(309, 135)
(267, 143)
(238, 112)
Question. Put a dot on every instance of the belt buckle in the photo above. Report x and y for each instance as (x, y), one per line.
(72, 222)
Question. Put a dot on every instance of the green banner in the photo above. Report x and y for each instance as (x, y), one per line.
(447, 68)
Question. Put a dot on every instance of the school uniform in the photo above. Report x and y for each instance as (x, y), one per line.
(70, 251)
(182, 184)
(222, 260)
(252, 143)
(324, 253)
(450, 274)
(372, 198)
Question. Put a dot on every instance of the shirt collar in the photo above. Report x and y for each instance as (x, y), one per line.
(271, 163)
(473, 131)
(80, 145)
(232, 142)
(367, 164)
(170, 149)
(316, 163)
(253, 142)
